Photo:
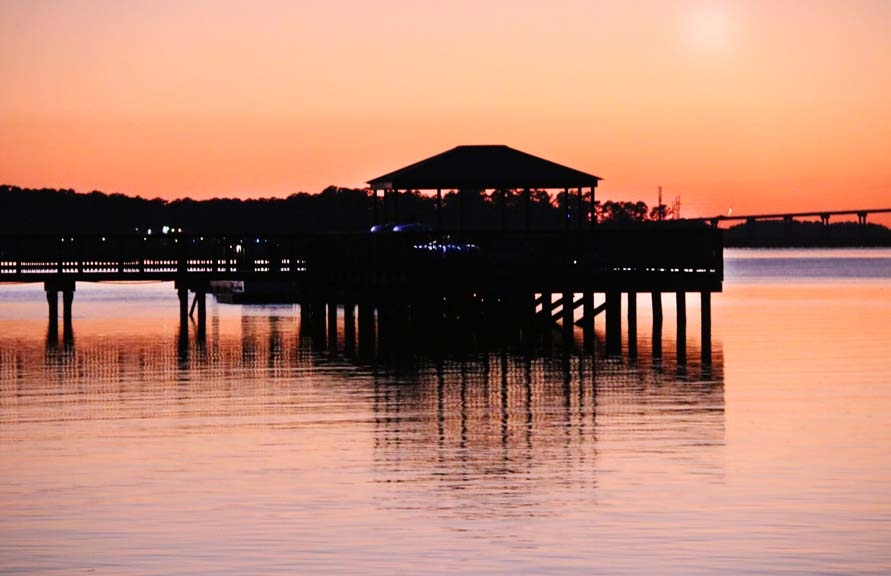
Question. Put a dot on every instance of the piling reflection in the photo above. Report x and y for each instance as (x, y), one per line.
(507, 407)
(512, 422)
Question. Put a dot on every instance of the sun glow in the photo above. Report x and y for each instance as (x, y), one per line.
(708, 27)
(727, 102)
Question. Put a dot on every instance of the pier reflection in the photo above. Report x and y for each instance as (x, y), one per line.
(507, 408)
(274, 344)
(510, 423)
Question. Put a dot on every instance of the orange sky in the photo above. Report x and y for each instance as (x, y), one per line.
(755, 106)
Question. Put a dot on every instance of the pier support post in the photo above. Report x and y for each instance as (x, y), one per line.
(332, 327)
(319, 324)
(681, 326)
(349, 328)
(657, 325)
(183, 294)
(383, 327)
(366, 329)
(52, 299)
(568, 311)
(632, 325)
(67, 302)
(201, 299)
(52, 288)
(588, 317)
(706, 331)
(614, 323)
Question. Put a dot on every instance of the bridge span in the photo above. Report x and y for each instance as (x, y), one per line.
(823, 215)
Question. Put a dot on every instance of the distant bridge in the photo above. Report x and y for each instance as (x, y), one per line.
(824, 216)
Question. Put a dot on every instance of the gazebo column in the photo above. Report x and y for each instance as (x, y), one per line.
(461, 211)
(580, 208)
(439, 209)
(374, 207)
(566, 208)
(526, 195)
(395, 206)
(593, 205)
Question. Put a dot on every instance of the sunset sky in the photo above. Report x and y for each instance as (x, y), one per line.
(758, 106)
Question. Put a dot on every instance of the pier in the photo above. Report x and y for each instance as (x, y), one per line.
(419, 275)
(422, 277)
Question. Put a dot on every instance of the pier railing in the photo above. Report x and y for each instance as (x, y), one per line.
(657, 257)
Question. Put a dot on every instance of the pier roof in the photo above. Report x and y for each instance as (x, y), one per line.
(483, 167)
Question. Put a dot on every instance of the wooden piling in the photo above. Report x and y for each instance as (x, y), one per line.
(366, 329)
(568, 312)
(201, 298)
(657, 325)
(183, 294)
(349, 328)
(332, 327)
(632, 325)
(613, 323)
(706, 330)
(681, 297)
(588, 317)
(52, 299)
(67, 303)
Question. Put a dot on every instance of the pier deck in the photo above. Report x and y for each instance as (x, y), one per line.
(524, 274)
(641, 258)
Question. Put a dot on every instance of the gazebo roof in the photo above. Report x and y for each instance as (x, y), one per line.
(481, 168)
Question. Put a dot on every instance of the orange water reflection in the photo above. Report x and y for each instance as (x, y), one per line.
(264, 448)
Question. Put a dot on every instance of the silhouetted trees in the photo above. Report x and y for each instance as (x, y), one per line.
(24, 210)
(336, 210)
(623, 212)
(774, 233)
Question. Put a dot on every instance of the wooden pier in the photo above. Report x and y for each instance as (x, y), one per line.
(421, 275)
(405, 276)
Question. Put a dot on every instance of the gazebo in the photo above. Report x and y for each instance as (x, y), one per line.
(486, 167)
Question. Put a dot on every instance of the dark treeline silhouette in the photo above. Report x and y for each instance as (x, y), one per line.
(338, 210)
(777, 233)
(48, 210)
(333, 210)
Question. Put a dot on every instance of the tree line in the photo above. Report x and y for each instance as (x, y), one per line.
(334, 210)
(778, 233)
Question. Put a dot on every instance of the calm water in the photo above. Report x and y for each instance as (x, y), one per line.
(131, 450)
